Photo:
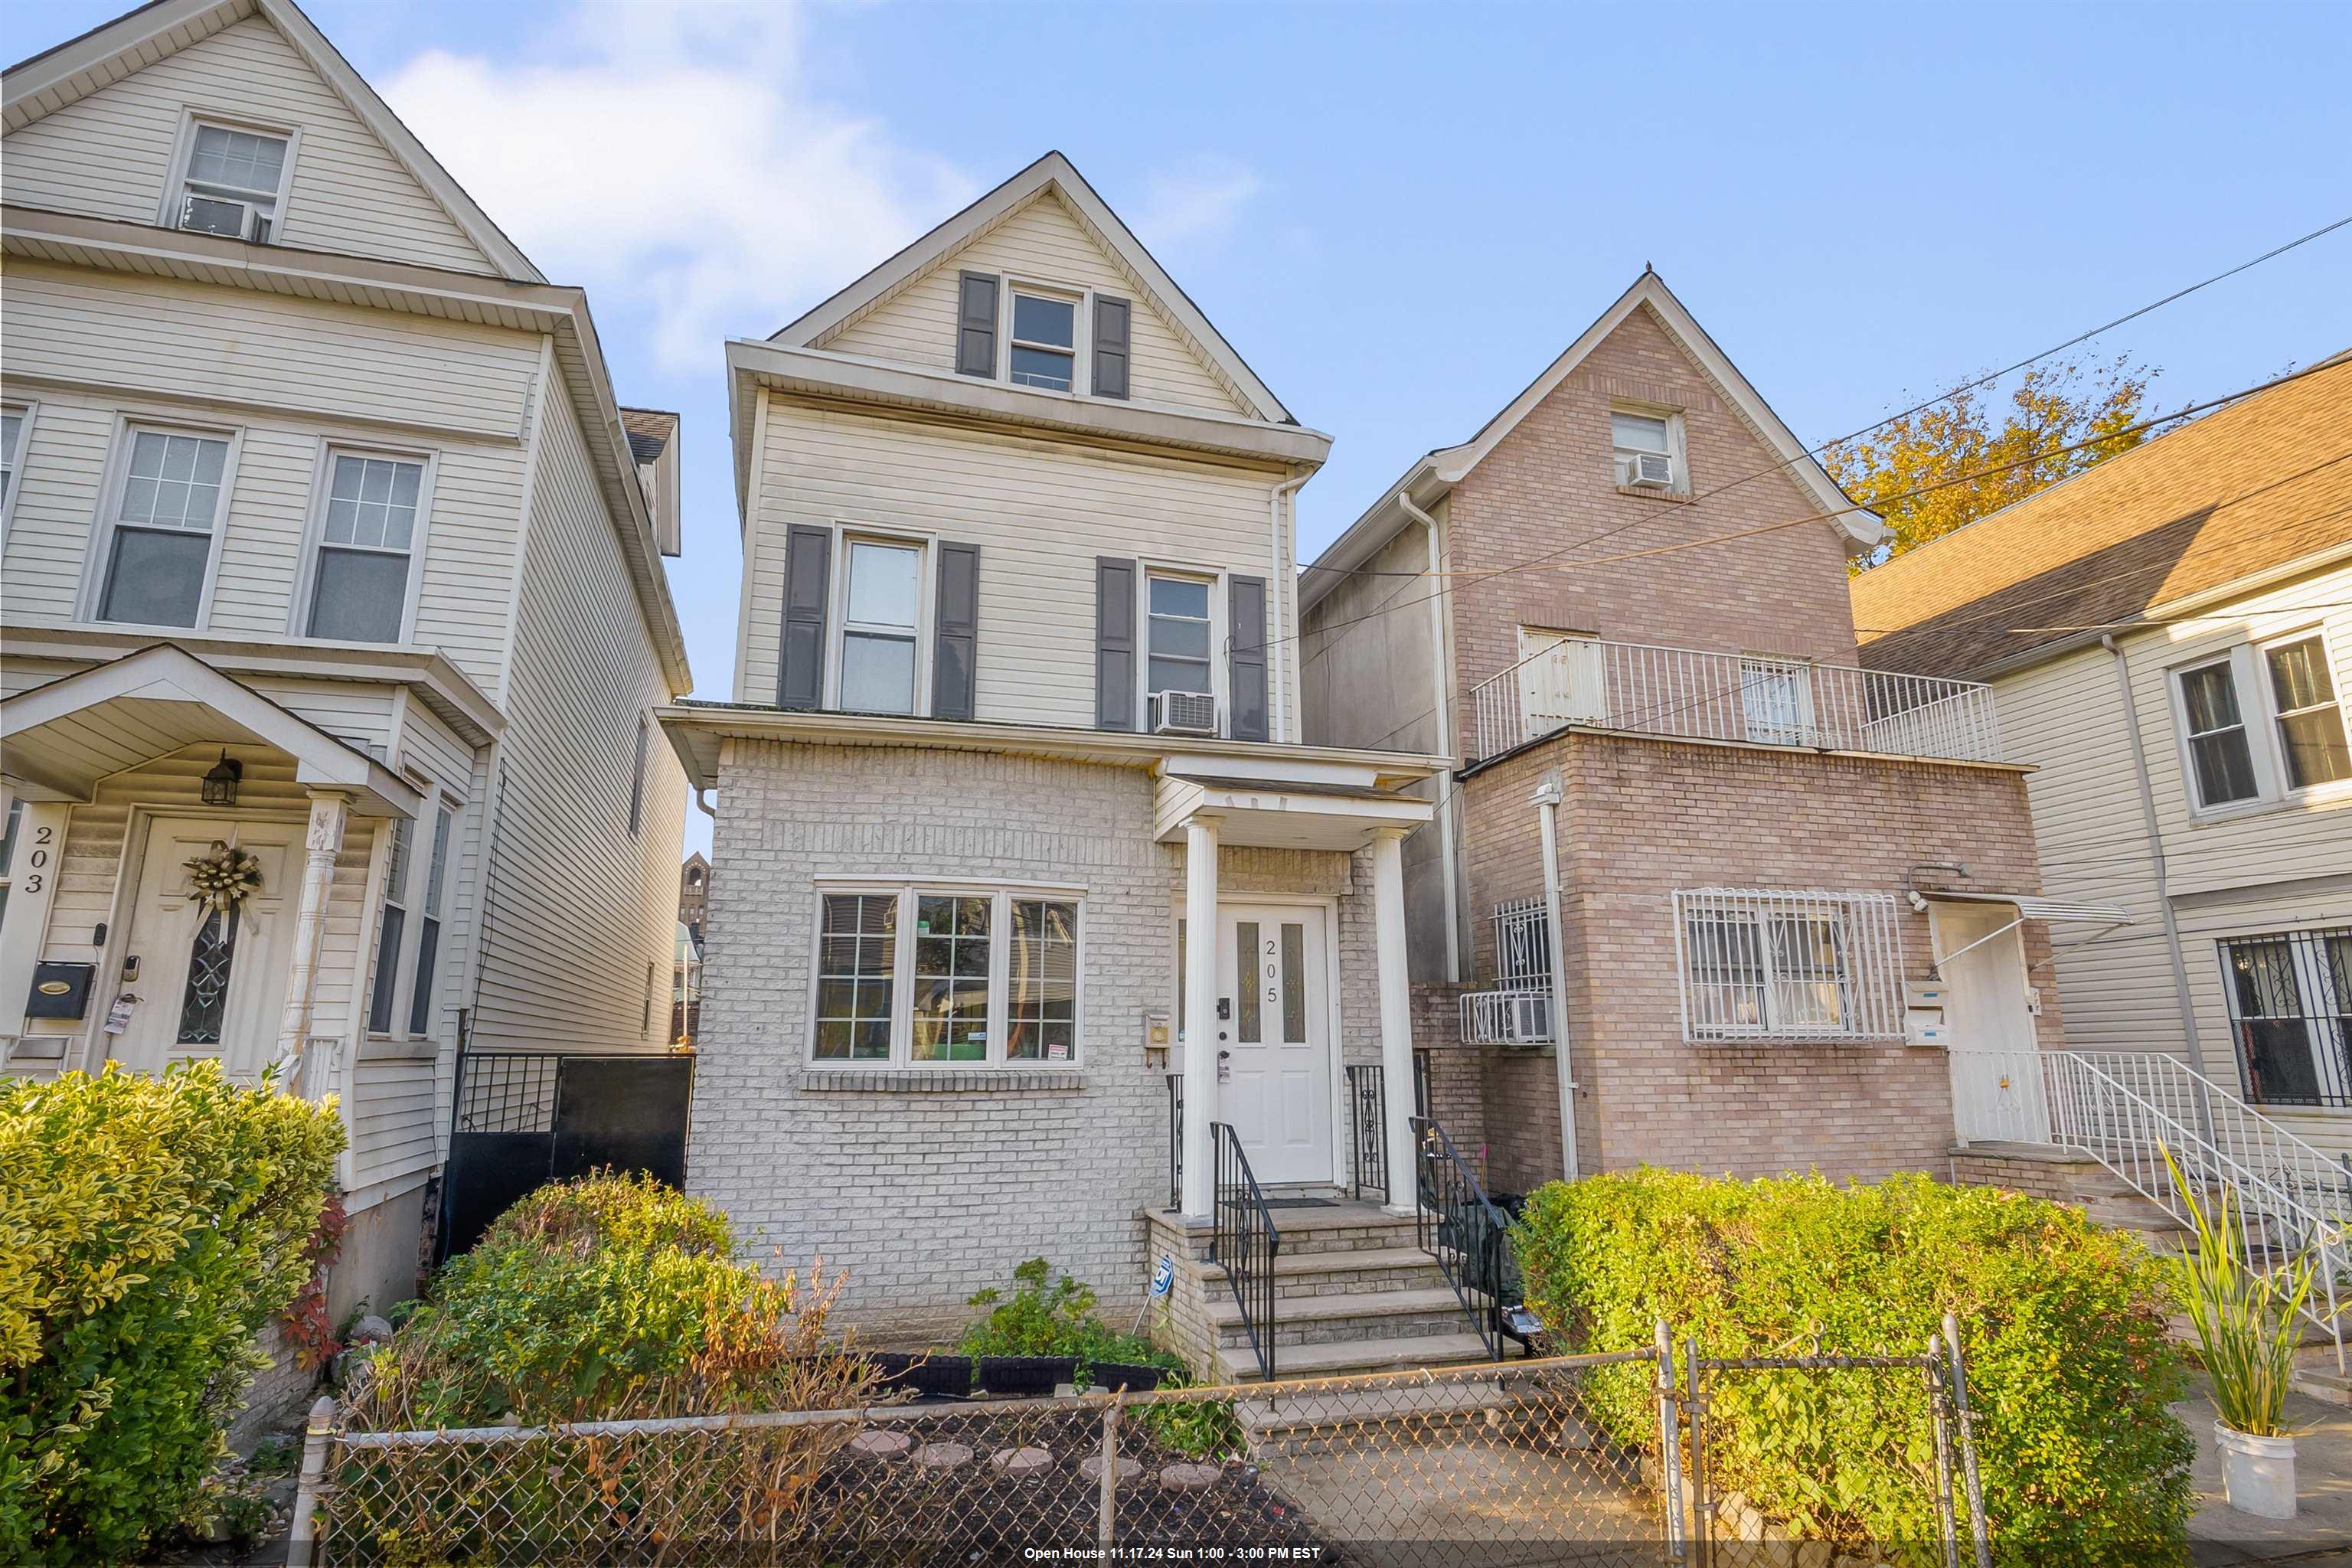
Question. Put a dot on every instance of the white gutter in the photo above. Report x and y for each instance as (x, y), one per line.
(1546, 802)
(1442, 688)
(1287, 581)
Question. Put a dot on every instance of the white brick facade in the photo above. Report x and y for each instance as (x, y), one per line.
(930, 1190)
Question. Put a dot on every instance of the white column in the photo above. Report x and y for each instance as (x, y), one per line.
(1202, 1038)
(329, 810)
(40, 848)
(1396, 1014)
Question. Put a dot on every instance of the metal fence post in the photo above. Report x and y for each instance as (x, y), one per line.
(1702, 1499)
(1936, 1399)
(1980, 1533)
(1670, 1444)
(1106, 1496)
(302, 1532)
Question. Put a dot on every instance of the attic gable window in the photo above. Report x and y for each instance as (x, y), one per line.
(1044, 341)
(1645, 450)
(233, 184)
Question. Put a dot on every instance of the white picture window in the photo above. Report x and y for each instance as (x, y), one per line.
(2309, 716)
(371, 525)
(881, 627)
(1645, 448)
(165, 512)
(1789, 965)
(935, 976)
(234, 182)
(1044, 341)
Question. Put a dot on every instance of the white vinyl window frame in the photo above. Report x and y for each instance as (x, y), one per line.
(1220, 635)
(99, 562)
(314, 533)
(908, 892)
(1081, 298)
(12, 458)
(1865, 973)
(1678, 451)
(398, 890)
(420, 1007)
(839, 627)
(175, 187)
(2259, 716)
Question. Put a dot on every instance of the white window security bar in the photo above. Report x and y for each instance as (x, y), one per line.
(1788, 965)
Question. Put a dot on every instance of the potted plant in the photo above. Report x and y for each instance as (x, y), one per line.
(2247, 1328)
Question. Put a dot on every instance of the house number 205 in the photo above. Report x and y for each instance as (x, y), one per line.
(1271, 993)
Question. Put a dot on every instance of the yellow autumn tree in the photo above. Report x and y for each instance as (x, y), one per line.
(2006, 450)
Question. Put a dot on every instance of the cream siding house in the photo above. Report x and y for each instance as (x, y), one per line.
(2169, 638)
(325, 541)
(1016, 710)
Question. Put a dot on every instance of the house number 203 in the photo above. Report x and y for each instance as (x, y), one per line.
(36, 861)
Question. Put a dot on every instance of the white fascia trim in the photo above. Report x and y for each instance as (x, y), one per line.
(1055, 172)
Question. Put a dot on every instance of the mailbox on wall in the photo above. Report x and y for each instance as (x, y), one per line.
(60, 991)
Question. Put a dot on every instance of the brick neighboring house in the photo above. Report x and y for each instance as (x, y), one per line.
(1758, 847)
(1015, 710)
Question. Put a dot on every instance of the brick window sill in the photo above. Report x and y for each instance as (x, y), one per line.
(1682, 497)
(979, 1080)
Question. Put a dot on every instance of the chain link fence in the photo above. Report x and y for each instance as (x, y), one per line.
(1553, 1461)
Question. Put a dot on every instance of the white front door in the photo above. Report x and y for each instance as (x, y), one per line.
(1997, 1088)
(1567, 686)
(208, 986)
(1275, 1070)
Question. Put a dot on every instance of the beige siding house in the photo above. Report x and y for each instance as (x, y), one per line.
(326, 545)
(1034, 923)
(2170, 636)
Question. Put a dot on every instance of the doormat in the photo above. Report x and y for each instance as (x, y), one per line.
(1302, 1203)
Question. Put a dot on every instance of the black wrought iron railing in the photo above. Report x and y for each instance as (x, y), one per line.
(1175, 1143)
(1367, 1101)
(1246, 1243)
(1455, 1223)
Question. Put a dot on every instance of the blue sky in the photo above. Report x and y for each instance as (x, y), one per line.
(1399, 212)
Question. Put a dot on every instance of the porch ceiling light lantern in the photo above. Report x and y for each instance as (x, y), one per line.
(221, 782)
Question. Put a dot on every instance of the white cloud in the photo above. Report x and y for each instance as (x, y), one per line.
(1193, 208)
(680, 162)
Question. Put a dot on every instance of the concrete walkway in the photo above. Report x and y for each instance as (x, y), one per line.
(2319, 1535)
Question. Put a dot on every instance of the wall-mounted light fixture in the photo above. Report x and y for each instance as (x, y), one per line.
(220, 783)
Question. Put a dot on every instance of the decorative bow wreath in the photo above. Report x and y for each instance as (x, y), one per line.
(222, 878)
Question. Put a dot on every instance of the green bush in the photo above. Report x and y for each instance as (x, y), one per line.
(148, 1228)
(2069, 1366)
(611, 1297)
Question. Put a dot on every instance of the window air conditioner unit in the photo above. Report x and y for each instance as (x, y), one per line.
(214, 214)
(1526, 1018)
(1650, 471)
(1183, 713)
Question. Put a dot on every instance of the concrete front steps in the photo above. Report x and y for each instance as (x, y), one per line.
(1352, 1293)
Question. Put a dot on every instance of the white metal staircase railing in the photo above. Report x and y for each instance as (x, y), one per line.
(2129, 1108)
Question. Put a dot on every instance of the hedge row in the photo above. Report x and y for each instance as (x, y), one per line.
(2069, 1364)
(148, 1228)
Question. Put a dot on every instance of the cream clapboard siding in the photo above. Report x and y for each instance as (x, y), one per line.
(2284, 868)
(1040, 510)
(577, 906)
(1042, 242)
(111, 154)
(471, 536)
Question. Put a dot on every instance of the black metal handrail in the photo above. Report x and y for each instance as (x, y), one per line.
(1367, 1099)
(1455, 1223)
(1175, 1143)
(1245, 1243)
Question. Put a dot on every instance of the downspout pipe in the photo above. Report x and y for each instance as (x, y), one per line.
(1287, 581)
(2150, 822)
(1441, 683)
(1546, 804)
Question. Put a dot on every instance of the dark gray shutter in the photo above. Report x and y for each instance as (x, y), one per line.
(1245, 612)
(976, 324)
(955, 632)
(808, 578)
(1114, 643)
(1110, 347)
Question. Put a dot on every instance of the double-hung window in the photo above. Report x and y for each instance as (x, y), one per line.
(367, 541)
(1044, 341)
(391, 925)
(15, 420)
(166, 511)
(234, 182)
(1772, 964)
(2262, 721)
(2291, 1009)
(936, 977)
(881, 626)
(429, 926)
(1179, 645)
(1641, 451)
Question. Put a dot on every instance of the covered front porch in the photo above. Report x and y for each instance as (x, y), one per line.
(137, 781)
